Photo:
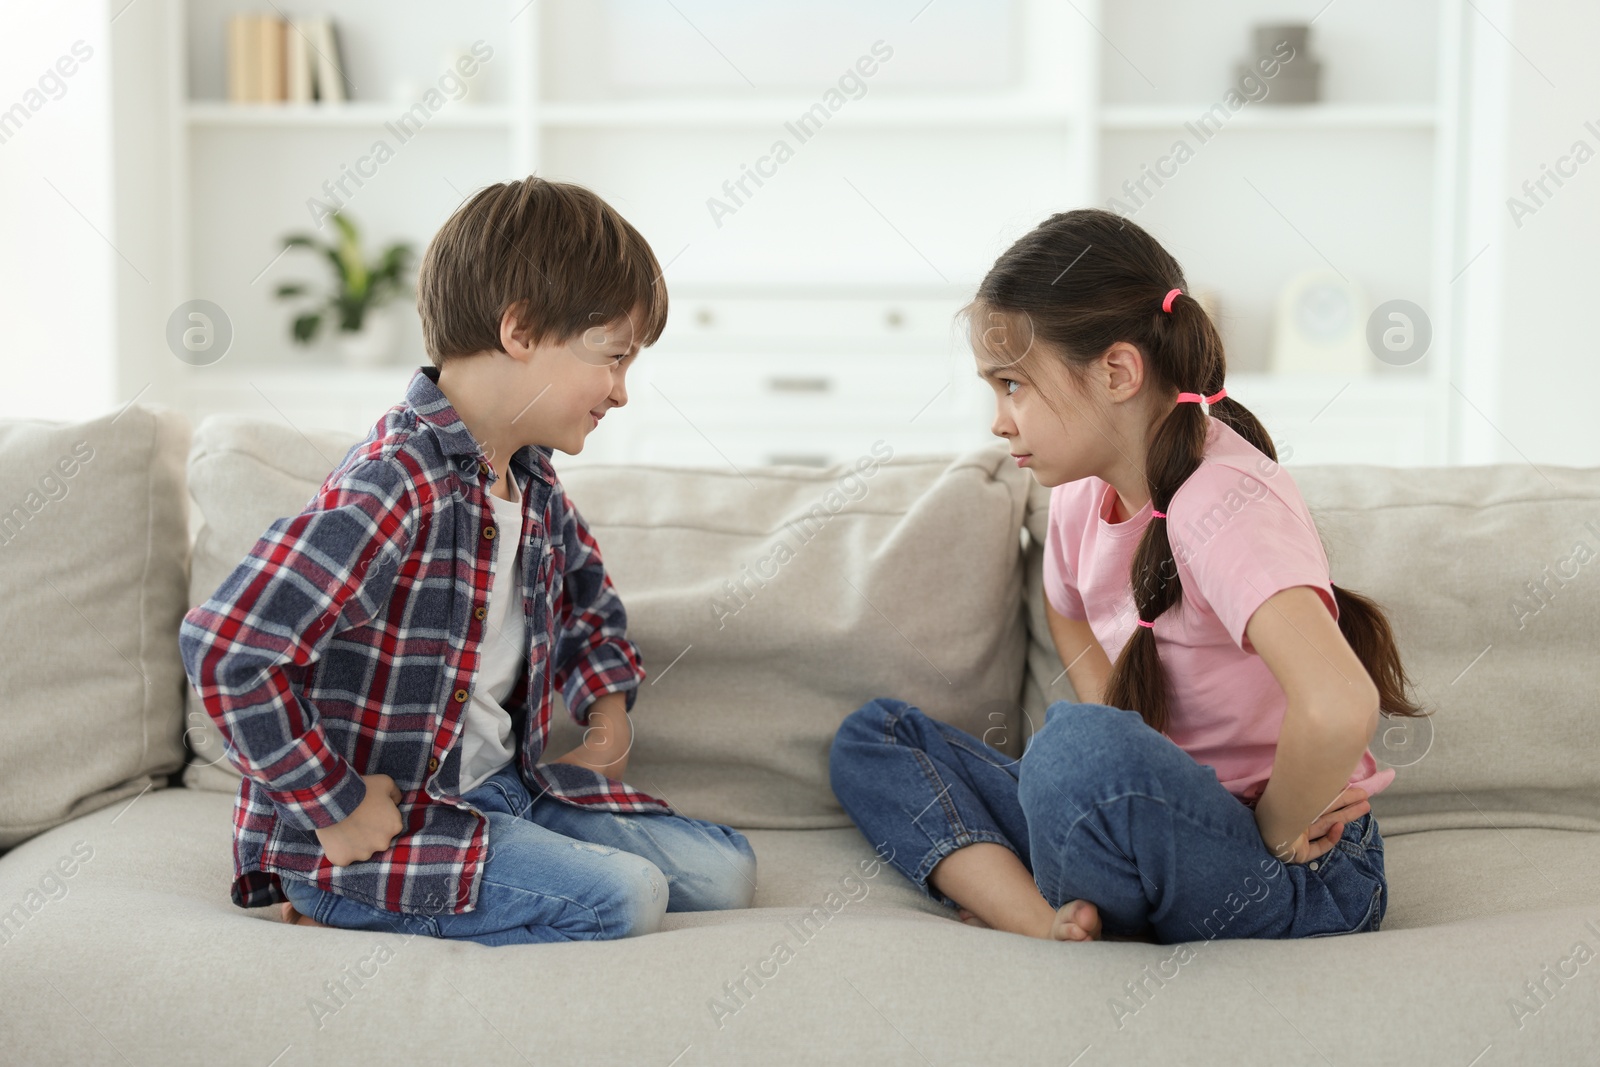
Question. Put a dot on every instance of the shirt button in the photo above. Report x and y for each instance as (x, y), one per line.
(480, 613)
(488, 533)
(433, 763)
(461, 696)
(1313, 865)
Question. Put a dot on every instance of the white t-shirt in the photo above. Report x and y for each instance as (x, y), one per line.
(486, 741)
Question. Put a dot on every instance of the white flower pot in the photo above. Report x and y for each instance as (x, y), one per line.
(373, 344)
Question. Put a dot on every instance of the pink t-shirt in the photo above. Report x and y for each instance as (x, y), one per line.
(1240, 532)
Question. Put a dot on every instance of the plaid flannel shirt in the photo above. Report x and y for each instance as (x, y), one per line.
(347, 643)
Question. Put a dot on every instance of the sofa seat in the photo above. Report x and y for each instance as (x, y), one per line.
(876, 969)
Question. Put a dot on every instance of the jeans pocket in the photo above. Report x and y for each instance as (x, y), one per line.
(1354, 888)
(1360, 836)
(1374, 916)
(502, 791)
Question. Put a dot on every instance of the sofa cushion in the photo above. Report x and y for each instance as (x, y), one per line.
(93, 535)
(1490, 577)
(244, 473)
(771, 603)
(125, 911)
(767, 604)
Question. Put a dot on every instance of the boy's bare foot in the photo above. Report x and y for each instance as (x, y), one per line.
(294, 918)
(1076, 920)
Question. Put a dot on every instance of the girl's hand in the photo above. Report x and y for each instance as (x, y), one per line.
(1320, 837)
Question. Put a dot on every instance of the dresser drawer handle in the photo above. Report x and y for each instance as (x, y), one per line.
(797, 459)
(800, 385)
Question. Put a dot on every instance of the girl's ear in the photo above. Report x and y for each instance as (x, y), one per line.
(1124, 369)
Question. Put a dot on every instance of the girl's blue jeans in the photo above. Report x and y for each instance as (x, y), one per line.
(556, 872)
(1102, 808)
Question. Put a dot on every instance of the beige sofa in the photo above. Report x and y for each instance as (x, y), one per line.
(914, 577)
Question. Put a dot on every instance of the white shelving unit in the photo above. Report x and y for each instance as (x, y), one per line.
(311, 116)
(817, 316)
(934, 113)
(244, 176)
(1364, 182)
(1303, 117)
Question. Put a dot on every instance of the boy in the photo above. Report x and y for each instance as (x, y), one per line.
(381, 664)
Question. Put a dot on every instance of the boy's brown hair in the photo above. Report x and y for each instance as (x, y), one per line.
(554, 250)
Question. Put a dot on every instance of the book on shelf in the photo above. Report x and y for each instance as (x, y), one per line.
(324, 42)
(298, 72)
(244, 59)
(274, 60)
(269, 39)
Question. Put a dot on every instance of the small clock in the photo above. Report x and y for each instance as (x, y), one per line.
(1320, 327)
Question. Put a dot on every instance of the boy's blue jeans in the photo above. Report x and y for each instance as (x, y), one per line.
(560, 873)
(1101, 808)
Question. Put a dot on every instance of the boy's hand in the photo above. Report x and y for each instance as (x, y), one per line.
(606, 740)
(368, 830)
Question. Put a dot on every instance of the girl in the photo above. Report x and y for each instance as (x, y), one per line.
(1213, 781)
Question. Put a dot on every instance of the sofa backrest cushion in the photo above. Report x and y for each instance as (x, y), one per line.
(767, 603)
(94, 543)
(244, 473)
(1490, 578)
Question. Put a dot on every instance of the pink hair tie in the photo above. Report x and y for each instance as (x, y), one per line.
(1196, 398)
(1149, 624)
(1166, 305)
(1154, 514)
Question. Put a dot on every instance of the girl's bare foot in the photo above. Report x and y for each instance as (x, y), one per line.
(294, 918)
(1076, 920)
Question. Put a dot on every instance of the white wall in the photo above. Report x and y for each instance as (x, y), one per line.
(1543, 405)
(86, 265)
(57, 360)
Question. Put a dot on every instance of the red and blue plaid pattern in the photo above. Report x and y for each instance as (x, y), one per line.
(347, 641)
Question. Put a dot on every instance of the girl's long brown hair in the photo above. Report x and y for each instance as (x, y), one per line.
(1067, 291)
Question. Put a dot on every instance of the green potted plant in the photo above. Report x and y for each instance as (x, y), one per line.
(361, 292)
